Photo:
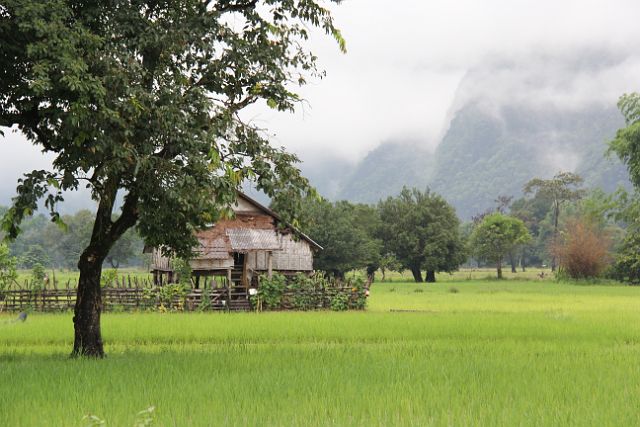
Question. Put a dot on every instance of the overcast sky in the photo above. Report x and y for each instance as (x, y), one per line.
(405, 62)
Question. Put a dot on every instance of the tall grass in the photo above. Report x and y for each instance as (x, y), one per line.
(494, 353)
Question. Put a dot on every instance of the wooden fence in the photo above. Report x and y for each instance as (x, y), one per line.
(161, 298)
(126, 299)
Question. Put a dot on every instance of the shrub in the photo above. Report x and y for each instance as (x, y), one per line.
(108, 277)
(626, 266)
(307, 291)
(271, 290)
(38, 273)
(340, 302)
(582, 250)
(8, 273)
(172, 296)
(183, 270)
(358, 297)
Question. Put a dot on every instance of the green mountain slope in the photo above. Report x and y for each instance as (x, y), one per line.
(488, 152)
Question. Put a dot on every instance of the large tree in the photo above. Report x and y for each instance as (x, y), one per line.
(496, 236)
(563, 187)
(141, 99)
(339, 229)
(423, 232)
(626, 146)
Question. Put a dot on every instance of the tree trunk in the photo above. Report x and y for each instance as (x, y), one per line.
(431, 276)
(417, 274)
(556, 215)
(86, 319)
(512, 260)
(499, 266)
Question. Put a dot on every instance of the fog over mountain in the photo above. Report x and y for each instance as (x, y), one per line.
(513, 118)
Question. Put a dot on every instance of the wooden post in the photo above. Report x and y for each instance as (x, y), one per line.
(245, 263)
(269, 264)
(228, 288)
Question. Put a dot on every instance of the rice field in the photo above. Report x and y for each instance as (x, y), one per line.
(459, 352)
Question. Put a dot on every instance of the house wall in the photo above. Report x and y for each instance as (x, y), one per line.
(294, 256)
(211, 264)
(159, 262)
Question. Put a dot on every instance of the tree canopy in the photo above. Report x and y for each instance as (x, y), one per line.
(496, 236)
(626, 144)
(142, 99)
(563, 187)
(346, 240)
(422, 230)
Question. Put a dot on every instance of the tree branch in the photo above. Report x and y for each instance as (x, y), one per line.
(236, 7)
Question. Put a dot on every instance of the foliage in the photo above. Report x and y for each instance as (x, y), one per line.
(142, 100)
(307, 291)
(496, 236)
(310, 292)
(626, 265)
(8, 263)
(183, 269)
(340, 302)
(583, 249)
(271, 290)
(38, 274)
(344, 231)
(358, 293)
(109, 277)
(389, 262)
(626, 144)
(127, 248)
(422, 230)
(562, 188)
(172, 296)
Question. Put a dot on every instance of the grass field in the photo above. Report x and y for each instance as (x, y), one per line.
(460, 352)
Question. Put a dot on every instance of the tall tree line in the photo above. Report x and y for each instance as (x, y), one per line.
(416, 230)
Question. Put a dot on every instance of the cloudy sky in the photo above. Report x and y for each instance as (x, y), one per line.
(407, 58)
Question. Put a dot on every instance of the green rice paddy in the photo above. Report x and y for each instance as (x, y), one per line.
(460, 352)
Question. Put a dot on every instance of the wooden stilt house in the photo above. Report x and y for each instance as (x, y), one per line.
(237, 251)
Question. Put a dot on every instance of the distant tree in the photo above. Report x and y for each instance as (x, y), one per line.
(389, 262)
(562, 188)
(535, 212)
(128, 247)
(142, 99)
(36, 254)
(346, 243)
(496, 236)
(423, 232)
(502, 206)
(582, 249)
(367, 218)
